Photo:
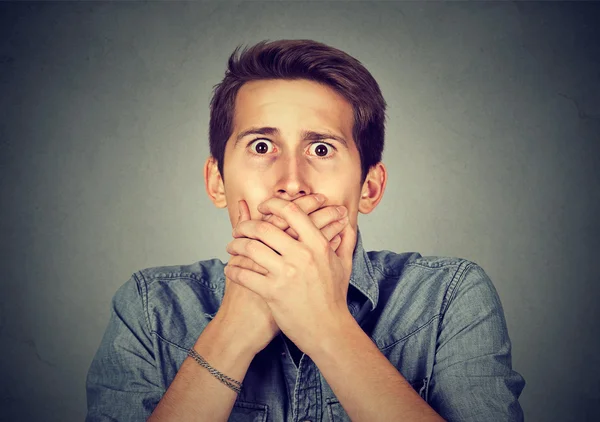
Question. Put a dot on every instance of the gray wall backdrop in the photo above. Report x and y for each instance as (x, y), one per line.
(492, 151)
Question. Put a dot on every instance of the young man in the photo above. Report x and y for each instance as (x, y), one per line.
(303, 324)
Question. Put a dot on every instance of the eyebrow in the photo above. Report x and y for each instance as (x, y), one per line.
(307, 135)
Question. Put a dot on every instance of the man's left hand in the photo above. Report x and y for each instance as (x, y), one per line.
(307, 282)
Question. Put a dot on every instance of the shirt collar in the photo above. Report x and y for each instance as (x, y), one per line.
(363, 275)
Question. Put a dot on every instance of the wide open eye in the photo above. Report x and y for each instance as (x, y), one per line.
(260, 148)
(320, 149)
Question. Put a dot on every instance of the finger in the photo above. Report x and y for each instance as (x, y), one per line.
(327, 215)
(328, 220)
(243, 215)
(335, 242)
(249, 279)
(292, 233)
(346, 249)
(310, 203)
(262, 252)
(321, 219)
(240, 260)
(244, 211)
(297, 219)
(245, 262)
(307, 203)
(279, 223)
(335, 228)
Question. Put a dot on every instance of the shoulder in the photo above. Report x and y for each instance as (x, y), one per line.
(208, 274)
(201, 283)
(170, 298)
(409, 264)
(436, 277)
(390, 263)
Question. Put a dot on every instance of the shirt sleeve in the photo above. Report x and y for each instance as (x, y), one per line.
(122, 382)
(472, 378)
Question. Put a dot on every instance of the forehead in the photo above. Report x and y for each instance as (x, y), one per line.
(301, 102)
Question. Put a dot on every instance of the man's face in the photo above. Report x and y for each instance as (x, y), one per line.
(283, 161)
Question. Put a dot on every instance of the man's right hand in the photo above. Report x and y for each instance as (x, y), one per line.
(242, 310)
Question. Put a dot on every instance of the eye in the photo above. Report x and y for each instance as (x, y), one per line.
(262, 148)
(321, 151)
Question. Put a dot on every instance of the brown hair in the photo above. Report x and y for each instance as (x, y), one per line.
(302, 59)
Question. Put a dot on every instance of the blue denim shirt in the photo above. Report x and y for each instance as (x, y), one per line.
(438, 320)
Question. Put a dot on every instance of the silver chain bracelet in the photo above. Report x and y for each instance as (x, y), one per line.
(229, 382)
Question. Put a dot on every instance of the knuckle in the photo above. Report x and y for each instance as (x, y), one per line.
(279, 222)
(263, 227)
(289, 270)
(269, 295)
(291, 207)
(306, 203)
(258, 269)
(325, 245)
(305, 255)
(243, 261)
(249, 246)
(242, 276)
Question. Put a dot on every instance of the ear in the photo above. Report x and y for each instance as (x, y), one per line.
(213, 183)
(373, 188)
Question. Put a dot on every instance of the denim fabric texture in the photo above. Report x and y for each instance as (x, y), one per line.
(438, 320)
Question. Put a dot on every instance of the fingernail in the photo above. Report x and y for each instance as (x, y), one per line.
(342, 210)
(320, 197)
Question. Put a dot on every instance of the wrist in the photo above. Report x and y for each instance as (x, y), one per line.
(222, 341)
(333, 333)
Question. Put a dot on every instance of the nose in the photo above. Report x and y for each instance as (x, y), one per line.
(292, 178)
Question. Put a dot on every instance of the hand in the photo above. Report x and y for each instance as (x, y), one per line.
(306, 282)
(242, 308)
(326, 219)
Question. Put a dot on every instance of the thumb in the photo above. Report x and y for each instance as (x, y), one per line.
(243, 211)
(346, 248)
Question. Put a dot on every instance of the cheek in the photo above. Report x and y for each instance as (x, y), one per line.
(253, 193)
(338, 194)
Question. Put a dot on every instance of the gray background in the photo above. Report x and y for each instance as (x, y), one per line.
(492, 152)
